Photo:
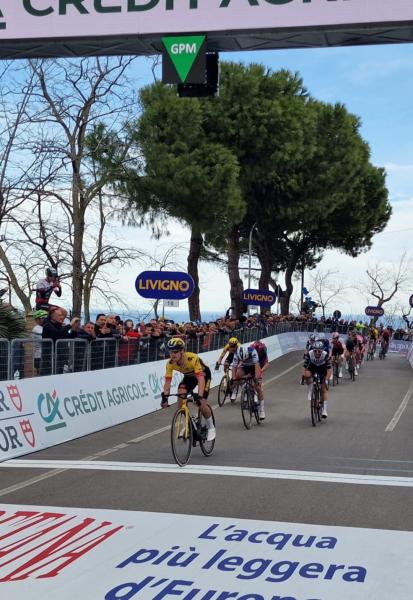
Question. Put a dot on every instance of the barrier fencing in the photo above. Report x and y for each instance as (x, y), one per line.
(24, 358)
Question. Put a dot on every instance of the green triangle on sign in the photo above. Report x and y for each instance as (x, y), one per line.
(183, 52)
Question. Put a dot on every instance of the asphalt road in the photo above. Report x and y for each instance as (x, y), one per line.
(355, 469)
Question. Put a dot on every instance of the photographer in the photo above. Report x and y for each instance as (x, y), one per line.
(46, 287)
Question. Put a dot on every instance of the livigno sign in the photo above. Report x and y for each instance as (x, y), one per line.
(38, 19)
(374, 311)
(259, 297)
(165, 285)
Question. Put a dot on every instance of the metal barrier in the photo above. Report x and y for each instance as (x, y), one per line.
(23, 358)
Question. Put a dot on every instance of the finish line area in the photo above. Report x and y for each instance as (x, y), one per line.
(284, 510)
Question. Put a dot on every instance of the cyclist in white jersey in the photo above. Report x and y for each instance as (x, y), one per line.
(318, 361)
(246, 362)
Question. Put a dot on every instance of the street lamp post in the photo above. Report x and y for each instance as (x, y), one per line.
(249, 257)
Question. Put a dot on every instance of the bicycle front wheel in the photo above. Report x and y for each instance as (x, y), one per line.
(255, 409)
(315, 402)
(181, 437)
(223, 390)
(206, 447)
(246, 408)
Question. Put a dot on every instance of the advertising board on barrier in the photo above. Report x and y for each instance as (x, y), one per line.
(97, 554)
(30, 19)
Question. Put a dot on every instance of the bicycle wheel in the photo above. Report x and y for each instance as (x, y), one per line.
(246, 409)
(335, 373)
(314, 405)
(223, 390)
(181, 437)
(255, 409)
(206, 447)
(351, 371)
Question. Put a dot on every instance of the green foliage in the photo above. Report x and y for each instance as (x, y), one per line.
(185, 175)
(12, 323)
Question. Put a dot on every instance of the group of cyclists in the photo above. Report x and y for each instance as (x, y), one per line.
(245, 362)
(320, 353)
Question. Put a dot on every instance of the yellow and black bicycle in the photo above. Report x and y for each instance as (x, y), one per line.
(188, 429)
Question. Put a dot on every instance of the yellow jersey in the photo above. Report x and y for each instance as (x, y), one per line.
(191, 363)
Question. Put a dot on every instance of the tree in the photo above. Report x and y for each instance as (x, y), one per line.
(55, 202)
(73, 95)
(384, 281)
(183, 175)
(12, 323)
(325, 288)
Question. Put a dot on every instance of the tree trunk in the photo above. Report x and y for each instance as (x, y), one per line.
(77, 262)
(265, 278)
(193, 260)
(233, 272)
(289, 288)
(86, 304)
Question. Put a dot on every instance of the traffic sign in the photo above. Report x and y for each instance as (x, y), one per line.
(337, 314)
(183, 60)
(374, 311)
(411, 300)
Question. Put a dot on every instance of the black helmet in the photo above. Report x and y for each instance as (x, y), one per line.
(176, 345)
(51, 272)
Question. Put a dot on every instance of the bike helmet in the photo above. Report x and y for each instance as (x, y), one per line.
(318, 346)
(233, 341)
(176, 345)
(258, 346)
(335, 335)
(312, 337)
(51, 272)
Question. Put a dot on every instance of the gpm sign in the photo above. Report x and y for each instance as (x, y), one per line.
(165, 285)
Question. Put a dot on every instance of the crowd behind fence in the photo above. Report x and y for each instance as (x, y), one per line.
(24, 358)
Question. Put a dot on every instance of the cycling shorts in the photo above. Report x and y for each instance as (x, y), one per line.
(190, 381)
(337, 351)
(322, 371)
(248, 370)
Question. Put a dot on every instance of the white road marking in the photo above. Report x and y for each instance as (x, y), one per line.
(400, 410)
(350, 478)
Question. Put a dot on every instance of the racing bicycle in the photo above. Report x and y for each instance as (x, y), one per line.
(225, 387)
(316, 401)
(371, 351)
(249, 402)
(384, 346)
(188, 429)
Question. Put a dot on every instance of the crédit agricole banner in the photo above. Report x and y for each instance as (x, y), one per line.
(24, 19)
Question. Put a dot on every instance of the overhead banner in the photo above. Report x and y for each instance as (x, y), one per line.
(46, 19)
(164, 285)
(95, 554)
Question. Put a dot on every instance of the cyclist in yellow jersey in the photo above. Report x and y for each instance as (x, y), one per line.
(196, 373)
(230, 349)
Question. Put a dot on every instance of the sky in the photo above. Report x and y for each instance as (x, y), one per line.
(375, 83)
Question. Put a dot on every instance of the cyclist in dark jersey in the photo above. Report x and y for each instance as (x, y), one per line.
(46, 287)
(318, 361)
